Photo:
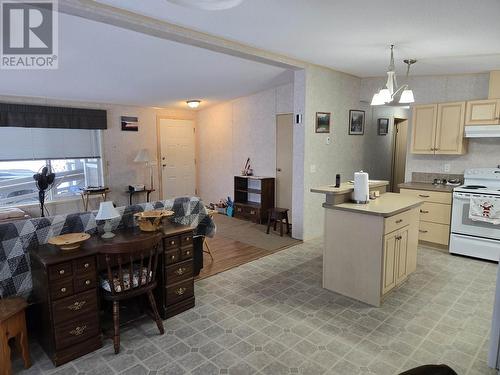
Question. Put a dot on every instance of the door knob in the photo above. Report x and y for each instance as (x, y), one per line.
(163, 158)
(278, 169)
(163, 165)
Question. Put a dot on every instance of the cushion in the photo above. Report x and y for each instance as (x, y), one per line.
(11, 213)
(126, 279)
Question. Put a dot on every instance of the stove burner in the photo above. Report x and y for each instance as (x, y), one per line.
(474, 187)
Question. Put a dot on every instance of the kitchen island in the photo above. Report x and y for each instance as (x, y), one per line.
(335, 195)
(370, 249)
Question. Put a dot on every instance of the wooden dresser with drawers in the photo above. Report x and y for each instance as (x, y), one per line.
(175, 291)
(65, 289)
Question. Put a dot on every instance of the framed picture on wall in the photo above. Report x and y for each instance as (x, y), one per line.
(383, 126)
(323, 122)
(356, 122)
(130, 124)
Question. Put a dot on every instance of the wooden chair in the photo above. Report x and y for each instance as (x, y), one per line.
(13, 326)
(137, 258)
(277, 215)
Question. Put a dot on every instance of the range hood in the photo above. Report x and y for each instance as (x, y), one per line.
(487, 131)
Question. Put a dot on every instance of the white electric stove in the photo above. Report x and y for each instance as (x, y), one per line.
(474, 238)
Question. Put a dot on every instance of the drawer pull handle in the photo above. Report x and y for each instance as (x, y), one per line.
(424, 211)
(188, 252)
(61, 272)
(252, 212)
(188, 238)
(172, 257)
(399, 221)
(87, 282)
(398, 237)
(424, 196)
(423, 231)
(63, 290)
(86, 265)
(180, 271)
(77, 305)
(172, 242)
(180, 291)
(78, 331)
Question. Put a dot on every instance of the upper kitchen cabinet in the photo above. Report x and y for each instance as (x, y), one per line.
(439, 129)
(424, 129)
(483, 112)
(450, 129)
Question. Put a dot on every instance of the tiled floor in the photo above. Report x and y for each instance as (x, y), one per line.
(271, 316)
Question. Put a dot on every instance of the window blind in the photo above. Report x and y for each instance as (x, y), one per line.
(37, 116)
(34, 143)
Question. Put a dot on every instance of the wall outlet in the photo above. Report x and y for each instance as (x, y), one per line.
(312, 168)
(328, 140)
(447, 167)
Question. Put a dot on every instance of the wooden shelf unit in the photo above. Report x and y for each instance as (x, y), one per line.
(253, 197)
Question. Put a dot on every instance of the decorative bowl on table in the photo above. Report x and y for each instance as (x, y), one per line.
(70, 241)
(151, 221)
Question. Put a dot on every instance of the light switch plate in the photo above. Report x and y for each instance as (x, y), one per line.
(328, 140)
(312, 168)
(447, 167)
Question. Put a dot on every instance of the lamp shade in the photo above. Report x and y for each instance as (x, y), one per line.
(376, 100)
(407, 96)
(143, 156)
(107, 211)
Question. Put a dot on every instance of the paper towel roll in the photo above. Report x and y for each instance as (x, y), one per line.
(361, 187)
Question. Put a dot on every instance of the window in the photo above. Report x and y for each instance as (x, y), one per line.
(17, 185)
(73, 155)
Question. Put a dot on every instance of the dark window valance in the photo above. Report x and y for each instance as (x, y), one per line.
(36, 116)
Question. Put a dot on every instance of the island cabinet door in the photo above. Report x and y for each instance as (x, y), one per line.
(402, 256)
(390, 262)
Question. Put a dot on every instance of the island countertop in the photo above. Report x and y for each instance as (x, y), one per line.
(386, 205)
(346, 187)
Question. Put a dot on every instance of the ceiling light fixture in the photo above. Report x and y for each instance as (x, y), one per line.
(207, 4)
(390, 92)
(193, 103)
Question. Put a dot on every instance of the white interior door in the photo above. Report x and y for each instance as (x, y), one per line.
(178, 168)
(284, 162)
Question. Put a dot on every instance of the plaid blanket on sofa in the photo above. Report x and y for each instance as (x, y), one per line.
(19, 237)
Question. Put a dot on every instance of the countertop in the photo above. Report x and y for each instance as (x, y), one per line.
(346, 187)
(386, 205)
(427, 187)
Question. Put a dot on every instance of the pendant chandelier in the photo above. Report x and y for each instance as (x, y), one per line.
(207, 4)
(390, 93)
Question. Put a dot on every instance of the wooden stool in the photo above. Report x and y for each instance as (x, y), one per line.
(277, 214)
(13, 325)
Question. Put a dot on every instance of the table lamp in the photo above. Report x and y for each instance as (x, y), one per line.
(107, 212)
(144, 157)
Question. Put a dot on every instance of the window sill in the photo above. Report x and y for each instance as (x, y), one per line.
(49, 203)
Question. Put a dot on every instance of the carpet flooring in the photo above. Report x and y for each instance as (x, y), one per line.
(271, 317)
